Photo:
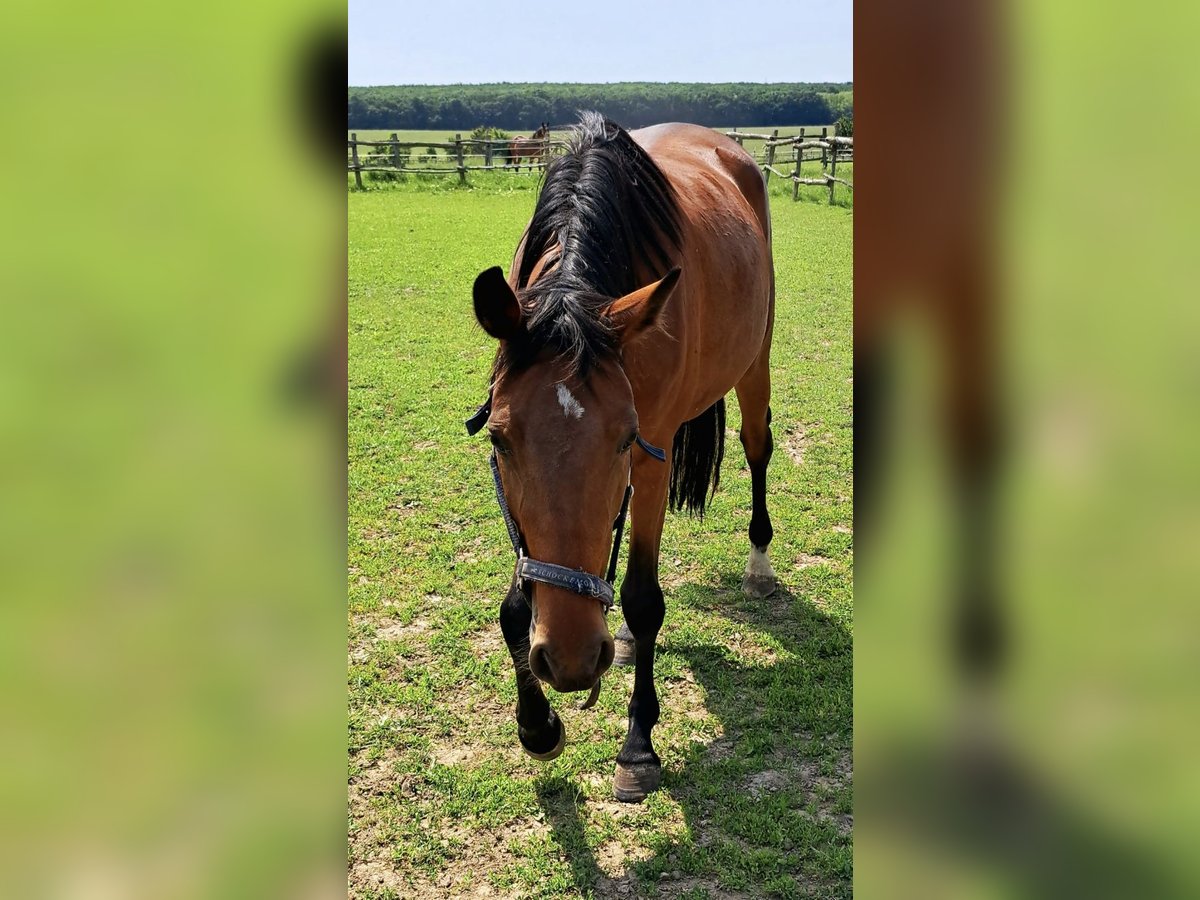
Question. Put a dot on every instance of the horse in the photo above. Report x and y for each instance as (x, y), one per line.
(928, 253)
(641, 293)
(533, 147)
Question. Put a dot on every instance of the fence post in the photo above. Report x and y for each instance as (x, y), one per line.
(354, 159)
(458, 151)
(487, 153)
(833, 172)
(796, 175)
(770, 157)
(395, 139)
(739, 138)
(824, 150)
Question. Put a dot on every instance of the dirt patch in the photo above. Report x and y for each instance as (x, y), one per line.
(614, 859)
(475, 852)
(672, 886)
(673, 573)
(747, 648)
(794, 443)
(378, 875)
(375, 779)
(767, 782)
(469, 552)
(807, 560)
(397, 631)
(457, 756)
(721, 748)
(487, 641)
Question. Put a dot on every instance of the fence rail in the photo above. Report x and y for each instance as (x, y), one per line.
(397, 160)
(828, 149)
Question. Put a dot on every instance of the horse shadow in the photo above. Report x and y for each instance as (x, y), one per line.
(782, 757)
(787, 738)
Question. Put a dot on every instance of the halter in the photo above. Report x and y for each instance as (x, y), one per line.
(529, 569)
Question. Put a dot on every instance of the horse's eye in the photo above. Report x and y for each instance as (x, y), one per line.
(498, 444)
(628, 442)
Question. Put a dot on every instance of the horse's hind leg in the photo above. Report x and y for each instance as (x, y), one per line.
(539, 729)
(754, 399)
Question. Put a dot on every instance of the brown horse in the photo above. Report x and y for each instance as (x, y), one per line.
(532, 148)
(928, 252)
(642, 291)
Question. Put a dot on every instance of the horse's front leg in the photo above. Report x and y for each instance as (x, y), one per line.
(540, 730)
(638, 767)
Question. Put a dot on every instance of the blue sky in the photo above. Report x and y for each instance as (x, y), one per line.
(450, 41)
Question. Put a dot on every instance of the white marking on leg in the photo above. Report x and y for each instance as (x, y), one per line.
(759, 566)
(570, 406)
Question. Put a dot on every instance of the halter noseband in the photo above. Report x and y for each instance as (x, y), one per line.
(529, 569)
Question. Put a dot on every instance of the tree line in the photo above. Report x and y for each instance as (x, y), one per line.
(633, 104)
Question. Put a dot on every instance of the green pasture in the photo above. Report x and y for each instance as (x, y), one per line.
(755, 735)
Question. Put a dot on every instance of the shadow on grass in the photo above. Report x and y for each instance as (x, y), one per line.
(560, 799)
(992, 813)
(765, 806)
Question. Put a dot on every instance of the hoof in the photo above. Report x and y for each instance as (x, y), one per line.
(554, 751)
(631, 784)
(759, 586)
(625, 653)
(760, 580)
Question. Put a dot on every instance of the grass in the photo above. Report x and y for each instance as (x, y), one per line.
(755, 735)
(501, 182)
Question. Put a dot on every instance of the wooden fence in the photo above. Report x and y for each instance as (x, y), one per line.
(828, 149)
(460, 156)
(463, 155)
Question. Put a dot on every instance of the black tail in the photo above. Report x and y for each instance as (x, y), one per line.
(696, 459)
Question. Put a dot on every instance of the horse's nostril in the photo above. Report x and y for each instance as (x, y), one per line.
(608, 649)
(539, 663)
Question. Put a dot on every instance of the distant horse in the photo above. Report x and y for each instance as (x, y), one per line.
(533, 148)
(642, 291)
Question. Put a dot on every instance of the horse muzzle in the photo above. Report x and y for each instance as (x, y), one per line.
(578, 670)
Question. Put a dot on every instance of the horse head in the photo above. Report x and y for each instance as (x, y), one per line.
(563, 422)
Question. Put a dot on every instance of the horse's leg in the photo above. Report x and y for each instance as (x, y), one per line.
(973, 432)
(538, 727)
(638, 767)
(754, 400)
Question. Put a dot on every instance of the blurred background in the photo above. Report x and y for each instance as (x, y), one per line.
(172, 581)
(1026, 642)
(172, 636)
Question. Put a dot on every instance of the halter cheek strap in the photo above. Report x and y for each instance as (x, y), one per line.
(528, 569)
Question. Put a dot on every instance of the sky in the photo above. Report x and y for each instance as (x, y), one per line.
(465, 41)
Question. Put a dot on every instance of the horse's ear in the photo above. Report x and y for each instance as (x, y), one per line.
(496, 305)
(635, 313)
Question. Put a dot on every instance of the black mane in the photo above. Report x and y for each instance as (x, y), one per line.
(607, 215)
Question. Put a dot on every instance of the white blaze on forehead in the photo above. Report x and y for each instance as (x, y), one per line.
(570, 406)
